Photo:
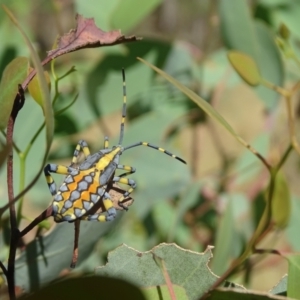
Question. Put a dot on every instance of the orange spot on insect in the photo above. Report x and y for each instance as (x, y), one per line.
(77, 204)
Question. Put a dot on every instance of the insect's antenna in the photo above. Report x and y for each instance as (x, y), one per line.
(156, 148)
(124, 109)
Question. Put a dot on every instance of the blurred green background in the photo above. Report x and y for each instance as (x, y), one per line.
(217, 198)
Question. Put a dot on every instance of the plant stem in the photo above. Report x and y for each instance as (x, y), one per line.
(76, 242)
(276, 88)
(14, 234)
(262, 229)
(284, 157)
(21, 186)
(44, 215)
(291, 121)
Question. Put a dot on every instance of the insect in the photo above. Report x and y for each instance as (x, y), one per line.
(85, 185)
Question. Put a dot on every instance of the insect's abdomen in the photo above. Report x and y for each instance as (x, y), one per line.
(76, 196)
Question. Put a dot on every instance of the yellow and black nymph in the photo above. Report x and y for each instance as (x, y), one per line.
(86, 185)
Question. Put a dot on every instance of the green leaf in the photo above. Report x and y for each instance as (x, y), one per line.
(281, 203)
(92, 287)
(136, 9)
(162, 292)
(242, 33)
(14, 74)
(293, 290)
(186, 268)
(245, 67)
(35, 89)
(270, 64)
(237, 27)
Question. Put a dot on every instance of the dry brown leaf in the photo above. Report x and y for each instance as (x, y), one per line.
(88, 35)
(85, 35)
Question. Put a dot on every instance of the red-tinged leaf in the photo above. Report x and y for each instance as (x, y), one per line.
(88, 35)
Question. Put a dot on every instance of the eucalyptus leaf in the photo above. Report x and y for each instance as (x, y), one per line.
(245, 66)
(35, 89)
(242, 33)
(185, 268)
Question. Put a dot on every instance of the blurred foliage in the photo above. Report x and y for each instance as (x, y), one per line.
(220, 197)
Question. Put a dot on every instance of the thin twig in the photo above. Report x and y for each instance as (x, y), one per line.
(3, 268)
(76, 242)
(267, 251)
(259, 156)
(284, 157)
(14, 235)
(44, 215)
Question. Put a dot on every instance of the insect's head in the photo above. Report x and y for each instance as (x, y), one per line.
(119, 148)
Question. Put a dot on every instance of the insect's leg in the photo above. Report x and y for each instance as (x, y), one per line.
(130, 170)
(52, 168)
(106, 143)
(126, 181)
(83, 146)
(109, 208)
